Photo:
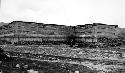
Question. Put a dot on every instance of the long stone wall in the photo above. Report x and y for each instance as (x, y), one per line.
(51, 32)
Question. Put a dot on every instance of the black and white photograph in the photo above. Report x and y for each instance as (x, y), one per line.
(62, 36)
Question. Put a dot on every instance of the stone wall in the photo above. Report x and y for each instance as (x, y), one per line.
(25, 31)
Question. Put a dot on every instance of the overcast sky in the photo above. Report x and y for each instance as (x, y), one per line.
(64, 12)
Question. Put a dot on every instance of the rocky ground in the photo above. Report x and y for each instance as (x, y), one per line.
(99, 60)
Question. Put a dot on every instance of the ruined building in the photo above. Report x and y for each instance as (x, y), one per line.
(17, 31)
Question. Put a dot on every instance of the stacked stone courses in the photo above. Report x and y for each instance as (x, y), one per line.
(26, 31)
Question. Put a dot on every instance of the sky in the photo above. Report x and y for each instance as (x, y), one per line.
(64, 12)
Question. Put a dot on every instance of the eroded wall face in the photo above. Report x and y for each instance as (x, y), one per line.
(22, 31)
